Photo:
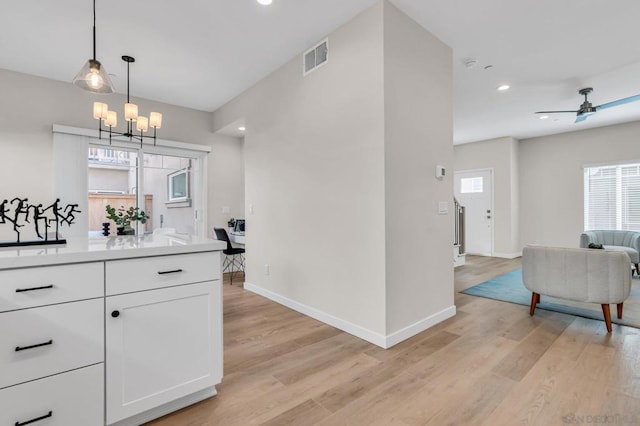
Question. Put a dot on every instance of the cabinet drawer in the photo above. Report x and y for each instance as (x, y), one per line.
(43, 341)
(128, 276)
(73, 398)
(26, 288)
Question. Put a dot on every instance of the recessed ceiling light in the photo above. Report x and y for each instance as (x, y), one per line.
(543, 117)
(503, 87)
(265, 2)
(242, 129)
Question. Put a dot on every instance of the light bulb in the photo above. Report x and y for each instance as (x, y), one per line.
(94, 79)
(265, 2)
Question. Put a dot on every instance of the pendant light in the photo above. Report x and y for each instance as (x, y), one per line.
(102, 113)
(93, 77)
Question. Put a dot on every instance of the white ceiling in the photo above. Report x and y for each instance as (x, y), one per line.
(202, 53)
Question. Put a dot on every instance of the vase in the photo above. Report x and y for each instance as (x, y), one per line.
(120, 230)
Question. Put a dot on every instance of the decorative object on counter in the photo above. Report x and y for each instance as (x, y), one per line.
(230, 224)
(19, 212)
(101, 113)
(123, 217)
(93, 77)
(105, 229)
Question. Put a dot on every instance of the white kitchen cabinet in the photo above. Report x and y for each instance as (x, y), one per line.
(162, 345)
(30, 287)
(39, 342)
(68, 399)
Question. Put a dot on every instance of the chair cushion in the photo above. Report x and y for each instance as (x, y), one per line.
(633, 253)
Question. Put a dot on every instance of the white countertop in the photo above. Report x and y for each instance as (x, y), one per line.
(105, 248)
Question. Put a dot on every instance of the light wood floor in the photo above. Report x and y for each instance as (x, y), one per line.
(491, 364)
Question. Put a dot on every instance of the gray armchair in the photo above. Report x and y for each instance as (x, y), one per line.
(592, 276)
(627, 241)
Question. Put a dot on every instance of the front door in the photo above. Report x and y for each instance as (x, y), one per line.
(474, 190)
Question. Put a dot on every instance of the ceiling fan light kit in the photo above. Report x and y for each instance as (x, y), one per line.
(92, 76)
(586, 108)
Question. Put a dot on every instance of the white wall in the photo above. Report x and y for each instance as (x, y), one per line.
(552, 181)
(29, 106)
(337, 167)
(418, 136)
(314, 170)
(102, 178)
(501, 155)
(227, 189)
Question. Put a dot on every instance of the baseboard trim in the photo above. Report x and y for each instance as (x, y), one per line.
(358, 331)
(508, 255)
(377, 339)
(420, 326)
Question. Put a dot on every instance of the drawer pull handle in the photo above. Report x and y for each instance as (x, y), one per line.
(24, 348)
(170, 272)
(28, 422)
(44, 287)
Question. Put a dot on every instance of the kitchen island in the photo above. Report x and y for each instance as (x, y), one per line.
(109, 331)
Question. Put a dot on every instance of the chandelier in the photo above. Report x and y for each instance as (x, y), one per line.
(102, 113)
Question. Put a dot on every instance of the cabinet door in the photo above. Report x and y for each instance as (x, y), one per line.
(161, 345)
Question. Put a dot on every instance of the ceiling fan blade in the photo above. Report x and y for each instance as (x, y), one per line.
(618, 102)
(581, 118)
(555, 112)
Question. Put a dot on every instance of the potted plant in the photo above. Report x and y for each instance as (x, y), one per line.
(123, 217)
(231, 223)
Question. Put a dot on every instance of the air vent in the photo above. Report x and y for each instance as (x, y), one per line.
(315, 57)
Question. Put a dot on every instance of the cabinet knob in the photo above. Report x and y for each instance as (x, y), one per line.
(115, 314)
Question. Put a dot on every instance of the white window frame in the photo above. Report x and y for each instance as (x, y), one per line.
(618, 190)
(70, 180)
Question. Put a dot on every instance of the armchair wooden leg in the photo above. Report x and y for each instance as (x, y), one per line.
(620, 305)
(607, 316)
(638, 269)
(535, 299)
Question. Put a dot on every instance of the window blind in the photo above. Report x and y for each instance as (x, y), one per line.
(612, 197)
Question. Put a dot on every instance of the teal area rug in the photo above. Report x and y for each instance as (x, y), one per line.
(509, 288)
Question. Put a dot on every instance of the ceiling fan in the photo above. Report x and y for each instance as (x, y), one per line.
(587, 109)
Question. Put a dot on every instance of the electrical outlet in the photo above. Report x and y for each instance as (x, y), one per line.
(251, 208)
(225, 209)
(266, 269)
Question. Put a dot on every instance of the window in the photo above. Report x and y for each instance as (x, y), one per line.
(612, 197)
(471, 185)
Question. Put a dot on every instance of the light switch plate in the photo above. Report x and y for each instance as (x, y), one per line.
(443, 207)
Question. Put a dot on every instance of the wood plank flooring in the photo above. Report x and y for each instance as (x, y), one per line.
(491, 364)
